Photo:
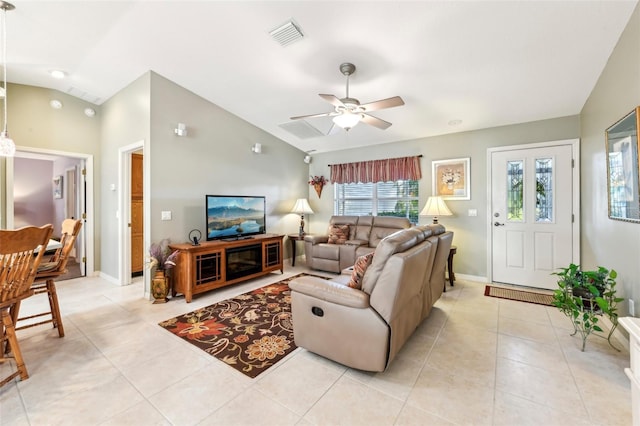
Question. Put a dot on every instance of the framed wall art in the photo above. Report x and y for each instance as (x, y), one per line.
(451, 179)
(57, 187)
(623, 186)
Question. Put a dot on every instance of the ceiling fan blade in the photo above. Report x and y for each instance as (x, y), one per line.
(375, 121)
(332, 100)
(324, 114)
(383, 103)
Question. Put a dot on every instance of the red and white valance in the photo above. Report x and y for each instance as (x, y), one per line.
(391, 169)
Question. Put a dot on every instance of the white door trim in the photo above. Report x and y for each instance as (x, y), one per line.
(89, 221)
(124, 208)
(575, 155)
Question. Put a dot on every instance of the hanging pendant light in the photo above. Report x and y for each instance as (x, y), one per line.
(7, 147)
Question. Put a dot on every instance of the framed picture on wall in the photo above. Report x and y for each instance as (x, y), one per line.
(451, 179)
(623, 172)
(57, 186)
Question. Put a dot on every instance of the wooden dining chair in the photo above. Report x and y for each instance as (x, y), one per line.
(19, 261)
(47, 271)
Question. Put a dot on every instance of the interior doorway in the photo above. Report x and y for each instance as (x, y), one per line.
(137, 214)
(133, 212)
(60, 187)
(534, 207)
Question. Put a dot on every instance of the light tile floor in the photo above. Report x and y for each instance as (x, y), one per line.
(475, 360)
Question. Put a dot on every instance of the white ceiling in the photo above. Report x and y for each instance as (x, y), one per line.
(487, 63)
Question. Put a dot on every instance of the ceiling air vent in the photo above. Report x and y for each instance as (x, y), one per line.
(301, 129)
(84, 95)
(287, 33)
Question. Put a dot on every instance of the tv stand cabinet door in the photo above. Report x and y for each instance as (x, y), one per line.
(272, 255)
(197, 272)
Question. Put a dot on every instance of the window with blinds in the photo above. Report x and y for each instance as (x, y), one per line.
(399, 198)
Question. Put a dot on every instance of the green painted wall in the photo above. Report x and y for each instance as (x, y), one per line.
(605, 242)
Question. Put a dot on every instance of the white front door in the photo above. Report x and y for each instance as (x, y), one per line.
(532, 214)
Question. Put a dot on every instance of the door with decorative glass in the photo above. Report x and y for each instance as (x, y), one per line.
(532, 214)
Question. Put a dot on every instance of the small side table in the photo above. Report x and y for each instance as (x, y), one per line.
(293, 238)
(452, 276)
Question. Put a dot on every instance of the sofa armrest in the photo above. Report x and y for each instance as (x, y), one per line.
(330, 291)
(316, 239)
(357, 242)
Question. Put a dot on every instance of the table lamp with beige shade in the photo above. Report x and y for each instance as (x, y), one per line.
(435, 207)
(302, 207)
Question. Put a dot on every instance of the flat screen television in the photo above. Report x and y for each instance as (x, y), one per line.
(231, 216)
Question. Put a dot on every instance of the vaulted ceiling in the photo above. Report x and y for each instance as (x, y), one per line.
(458, 65)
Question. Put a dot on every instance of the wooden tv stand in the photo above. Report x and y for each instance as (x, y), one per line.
(215, 264)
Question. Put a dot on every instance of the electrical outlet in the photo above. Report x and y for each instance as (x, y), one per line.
(632, 308)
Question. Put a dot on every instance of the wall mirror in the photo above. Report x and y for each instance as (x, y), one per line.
(622, 168)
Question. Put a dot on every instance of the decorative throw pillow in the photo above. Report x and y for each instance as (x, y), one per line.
(359, 268)
(338, 234)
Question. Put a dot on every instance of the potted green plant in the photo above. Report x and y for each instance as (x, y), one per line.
(583, 296)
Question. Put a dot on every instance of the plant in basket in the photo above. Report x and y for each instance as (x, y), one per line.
(584, 296)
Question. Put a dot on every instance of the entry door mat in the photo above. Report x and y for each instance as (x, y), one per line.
(538, 298)
(250, 332)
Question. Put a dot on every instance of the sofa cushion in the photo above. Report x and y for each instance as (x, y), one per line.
(395, 243)
(327, 251)
(363, 229)
(338, 234)
(383, 226)
(359, 268)
(352, 221)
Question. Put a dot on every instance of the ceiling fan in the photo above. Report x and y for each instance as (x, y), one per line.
(348, 112)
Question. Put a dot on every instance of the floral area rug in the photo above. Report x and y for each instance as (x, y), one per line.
(250, 332)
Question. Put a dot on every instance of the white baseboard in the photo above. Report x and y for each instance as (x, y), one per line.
(476, 278)
(109, 278)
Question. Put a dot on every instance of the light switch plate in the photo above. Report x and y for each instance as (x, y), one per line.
(166, 215)
(473, 212)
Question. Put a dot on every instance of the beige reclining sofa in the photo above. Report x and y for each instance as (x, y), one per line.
(365, 328)
(364, 233)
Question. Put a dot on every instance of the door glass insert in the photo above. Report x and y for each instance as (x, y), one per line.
(515, 196)
(544, 190)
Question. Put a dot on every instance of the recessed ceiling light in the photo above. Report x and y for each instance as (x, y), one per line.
(57, 74)
(455, 122)
(89, 112)
(55, 104)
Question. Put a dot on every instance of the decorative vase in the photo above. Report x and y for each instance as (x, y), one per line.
(160, 287)
(318, 188)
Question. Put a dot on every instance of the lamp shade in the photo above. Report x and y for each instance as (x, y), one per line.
(302, 207)
(435, 207)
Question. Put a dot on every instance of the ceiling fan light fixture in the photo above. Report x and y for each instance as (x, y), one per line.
(347, 120)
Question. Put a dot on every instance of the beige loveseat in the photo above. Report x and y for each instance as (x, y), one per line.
(365, 232)
(365, 328)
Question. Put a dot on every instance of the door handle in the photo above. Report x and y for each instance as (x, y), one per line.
(498, 224)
